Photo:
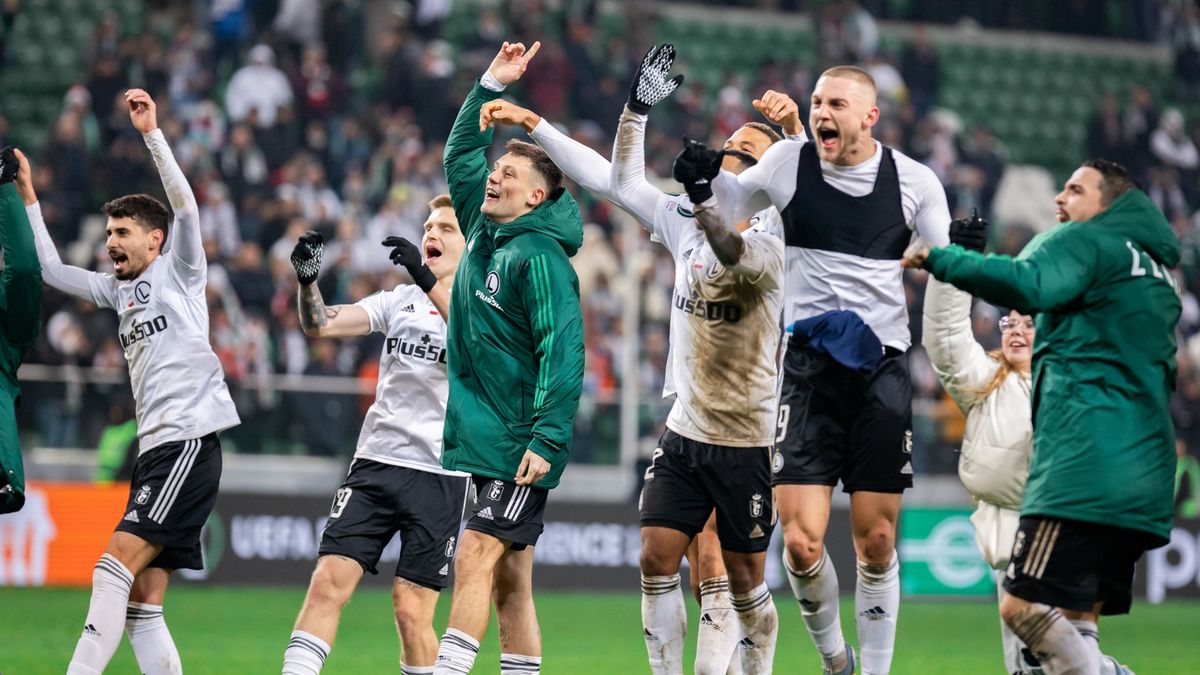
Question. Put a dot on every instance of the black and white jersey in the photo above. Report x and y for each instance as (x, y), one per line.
(724, 336)
(403, 427)
(838, 264)
(178, 383)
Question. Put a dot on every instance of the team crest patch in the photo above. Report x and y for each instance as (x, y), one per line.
(492, 282)
(1019, 544)
(715, 269)
(756, 506)
(143, 495)
(496, 491)
(776, 462)
(141, 292)
(908, 442)
(450, 547)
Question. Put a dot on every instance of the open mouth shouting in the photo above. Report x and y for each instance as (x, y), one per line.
(433, 252)
(828, 138)
(120, 261)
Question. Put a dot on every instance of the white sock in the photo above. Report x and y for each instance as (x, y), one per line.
(876, 604)
(406, 669)
(816, 589)
(1054, 641)
(151, 640)
(760, 627)
(1091, 637)
(719, 632)
(101, 636)
(519, 664)
(664, 623)
(457, 653)
(305, 654)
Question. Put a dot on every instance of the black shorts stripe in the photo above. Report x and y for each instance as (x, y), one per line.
(179, 472)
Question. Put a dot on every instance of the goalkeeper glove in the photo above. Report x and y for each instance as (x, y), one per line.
(970, 233)
(696, 166)
(406, 254)
(650, 84)
(306, 256)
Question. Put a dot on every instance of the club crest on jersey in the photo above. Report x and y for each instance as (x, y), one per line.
(756, 506)
(496, 491)
(143, 496)
(492, 282)
(450, 547)
(141, 292)
(715, 269)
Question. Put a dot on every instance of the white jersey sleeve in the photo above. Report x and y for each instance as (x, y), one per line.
(771, 182)
(184, 247)
(762, 257)
(93, 287)
(920, 187)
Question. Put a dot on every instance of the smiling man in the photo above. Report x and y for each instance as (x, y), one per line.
(396, 482)
(157, 289)
(850, 206)
(515, 343)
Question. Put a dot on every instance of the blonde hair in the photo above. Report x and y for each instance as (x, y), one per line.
(440, 201)
(1002, 372)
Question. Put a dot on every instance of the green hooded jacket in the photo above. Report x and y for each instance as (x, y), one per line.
(20, 322)
(1103, 360)
(515, 333)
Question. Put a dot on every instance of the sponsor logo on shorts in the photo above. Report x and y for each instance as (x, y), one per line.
(450, 548)
(756, 506)
(757, 532)
(486, 513)
(143, 496)
(445, 570)
(132, 516)
(496, 491)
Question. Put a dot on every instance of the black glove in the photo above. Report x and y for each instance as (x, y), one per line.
(970, 233)
(8, 165)
(405, 253)
(696, 166)
(650, 84)
(306, 257)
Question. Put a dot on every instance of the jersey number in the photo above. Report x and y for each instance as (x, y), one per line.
(650, 469)
(1159, 272)
(339, 502)
(785, 413)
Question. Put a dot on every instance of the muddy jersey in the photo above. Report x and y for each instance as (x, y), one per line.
(403, 427)
(725, 329)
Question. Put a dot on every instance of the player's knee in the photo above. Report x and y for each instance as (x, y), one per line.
(328, 590)
(803, 551)
(877, 546)
(1011, 609)
(411, 619)
(657, 563)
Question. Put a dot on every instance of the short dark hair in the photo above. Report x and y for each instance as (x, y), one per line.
(145, 209)
(440, 201)
(765, 130)
(1115, 180)
(542, 163)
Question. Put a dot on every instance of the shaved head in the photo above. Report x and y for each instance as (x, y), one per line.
(856, 74)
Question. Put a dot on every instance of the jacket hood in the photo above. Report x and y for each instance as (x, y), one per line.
(1134, 216)
(557, 217)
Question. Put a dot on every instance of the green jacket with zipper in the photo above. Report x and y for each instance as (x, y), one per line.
(1103, 360)
(515, 332)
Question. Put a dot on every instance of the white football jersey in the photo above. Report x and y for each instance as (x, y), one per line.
(404, 425)
(725, 329)
(178, 383)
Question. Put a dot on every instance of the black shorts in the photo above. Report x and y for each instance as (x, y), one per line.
(1075, 564)
(508, 511)
(173, 491)
(839, 424)
(378, 500)
(687, 479)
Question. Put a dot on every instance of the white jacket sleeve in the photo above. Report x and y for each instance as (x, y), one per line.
(961, 364)
(90, 286)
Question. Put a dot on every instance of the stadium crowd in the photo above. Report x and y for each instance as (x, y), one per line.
(312, 116)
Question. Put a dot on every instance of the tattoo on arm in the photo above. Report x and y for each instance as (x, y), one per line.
(314, 315)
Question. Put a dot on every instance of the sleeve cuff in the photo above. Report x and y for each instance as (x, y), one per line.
(541, 129)
(543, 449)
(489, 81)
(801, 137)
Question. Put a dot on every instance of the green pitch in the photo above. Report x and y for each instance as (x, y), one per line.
(245, 630)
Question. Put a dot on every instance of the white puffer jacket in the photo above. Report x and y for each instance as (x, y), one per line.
(999, 436)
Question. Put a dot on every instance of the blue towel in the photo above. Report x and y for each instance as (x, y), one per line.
(842, 335)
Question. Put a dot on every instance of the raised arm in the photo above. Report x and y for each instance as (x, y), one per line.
(771, 182)
(961, 363)
(21, 278)
(80, 283)
(317, 320)
(184, 235)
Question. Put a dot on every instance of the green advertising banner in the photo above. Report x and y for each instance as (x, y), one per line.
(938, 554)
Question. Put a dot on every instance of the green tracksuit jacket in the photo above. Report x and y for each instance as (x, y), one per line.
(1103, 360)
(515, 334)
(20, 321)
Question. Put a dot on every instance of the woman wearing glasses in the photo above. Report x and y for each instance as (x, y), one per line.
(993, 390)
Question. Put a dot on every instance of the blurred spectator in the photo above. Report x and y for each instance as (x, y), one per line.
(1105, 139)
(921, 70)
(1138, 122)
(258, 86)
(1171, 145)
